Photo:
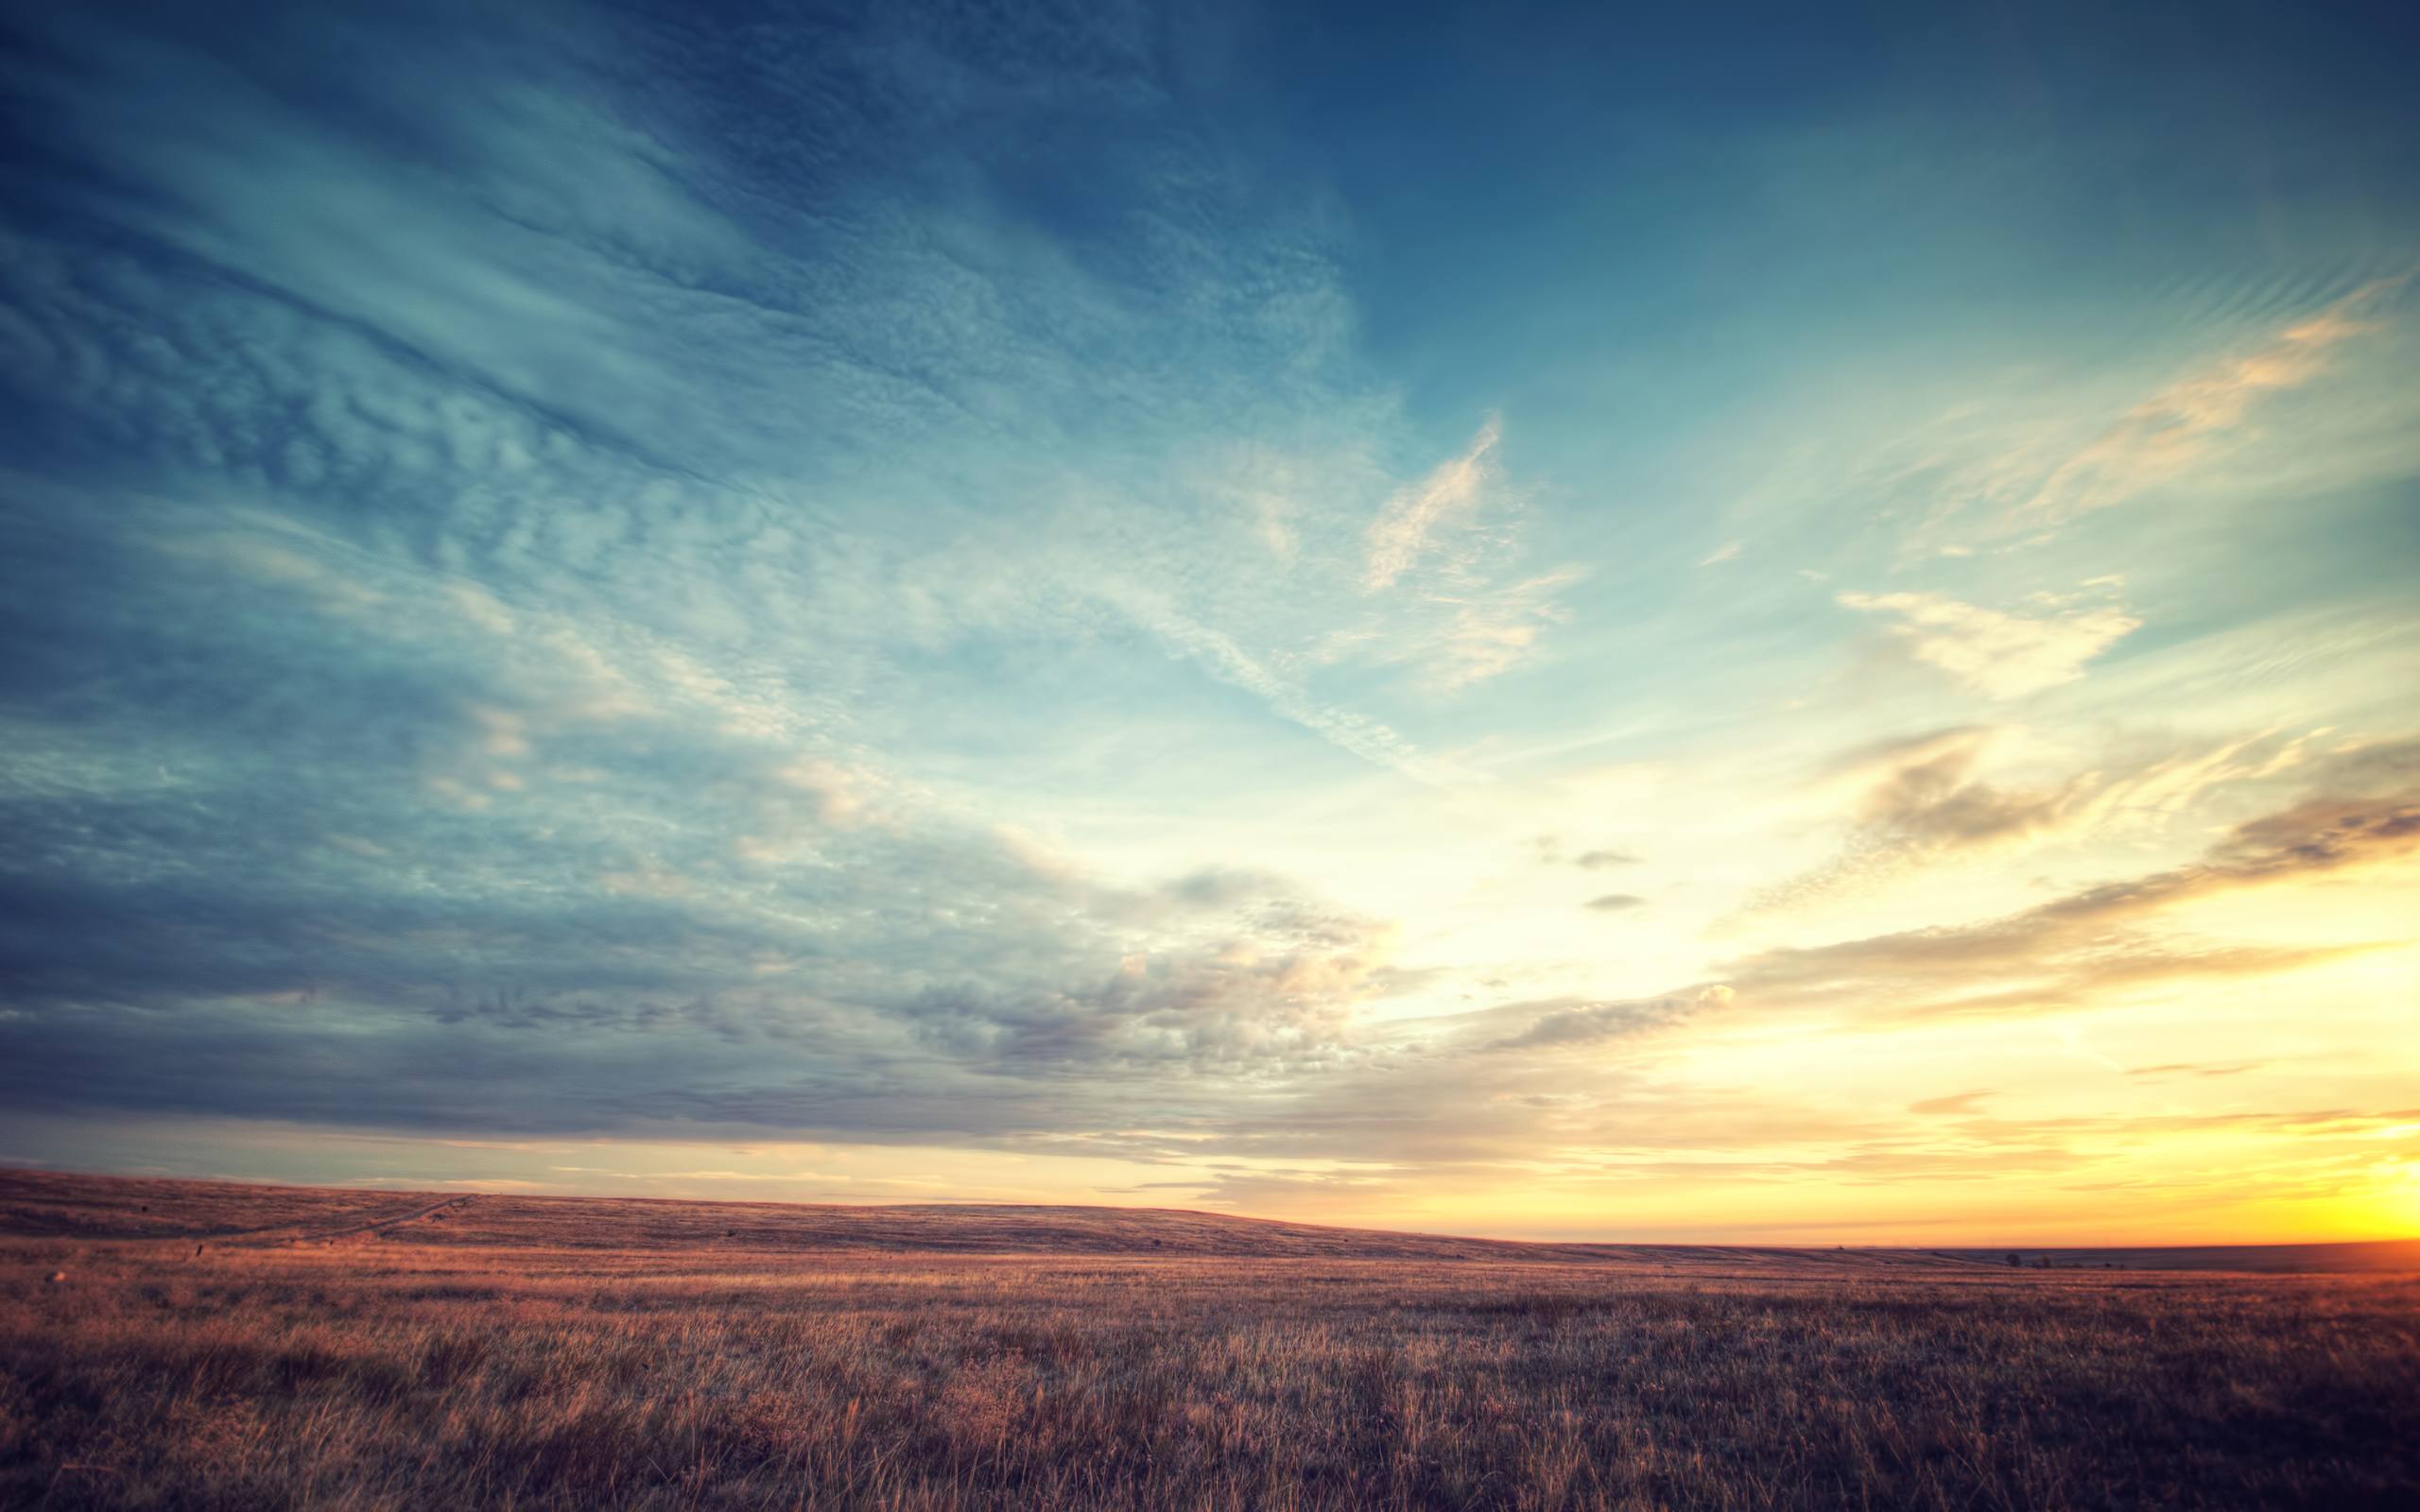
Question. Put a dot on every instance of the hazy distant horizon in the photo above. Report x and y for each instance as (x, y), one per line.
(1525, 623)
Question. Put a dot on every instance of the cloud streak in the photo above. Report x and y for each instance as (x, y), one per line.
(2061, 952)
(2182, 425)
(1407, 528)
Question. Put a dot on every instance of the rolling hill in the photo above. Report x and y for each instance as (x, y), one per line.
(48, 1205)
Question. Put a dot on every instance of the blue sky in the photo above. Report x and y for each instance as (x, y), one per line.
(1519, 619)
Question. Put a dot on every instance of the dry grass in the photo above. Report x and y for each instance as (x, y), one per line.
(509, 1352)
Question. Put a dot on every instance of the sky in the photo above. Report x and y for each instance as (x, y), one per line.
(1521, 620)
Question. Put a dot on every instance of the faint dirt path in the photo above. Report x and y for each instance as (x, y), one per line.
(373, 1226)
(303, 1233)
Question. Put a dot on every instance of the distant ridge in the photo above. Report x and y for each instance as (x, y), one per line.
(102, 1208)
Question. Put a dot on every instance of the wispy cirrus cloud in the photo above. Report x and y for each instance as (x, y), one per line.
(2296, 402)
(1492, 629)
(2063, 951)
(1472, 616)
(2183, 425)
(1220, 656)
(1408, 527)
(1931, 799)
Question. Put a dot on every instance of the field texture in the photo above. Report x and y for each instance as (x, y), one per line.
(180, 1344)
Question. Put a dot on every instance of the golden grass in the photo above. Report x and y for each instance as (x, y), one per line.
(467, 1358)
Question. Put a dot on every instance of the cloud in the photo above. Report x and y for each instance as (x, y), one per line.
(1475, 613)
(1614, 903)
(1223, 658)
(1962, 1103)
(1915, 798)
(451, 336)
(1998, 654)
(1492, 630)
(301, 981)
(1565, 1023)
(592, 580)
(2320, 834)
(2066, 951)
(2181, 426)
(1403, 531)
(1925, 795)
(1920, 799)
(2280, 410)
(1551, 850)
(481, 659)
(1923, 800)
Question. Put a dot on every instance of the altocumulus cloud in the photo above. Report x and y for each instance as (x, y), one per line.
(471, 528)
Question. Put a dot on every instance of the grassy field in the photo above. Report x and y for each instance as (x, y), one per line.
(221, 1345)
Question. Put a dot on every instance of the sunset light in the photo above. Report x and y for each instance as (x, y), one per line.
(1739, 647)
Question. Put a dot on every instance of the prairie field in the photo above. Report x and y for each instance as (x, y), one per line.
(193, 1345)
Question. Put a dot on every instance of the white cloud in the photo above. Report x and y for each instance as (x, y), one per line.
(1471, 618)
(2175, 428)
(1219, 655)
(1401, 534)
(1998, 655)
(1492, 631)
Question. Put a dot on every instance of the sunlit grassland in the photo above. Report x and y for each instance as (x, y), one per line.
(440, 1362)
